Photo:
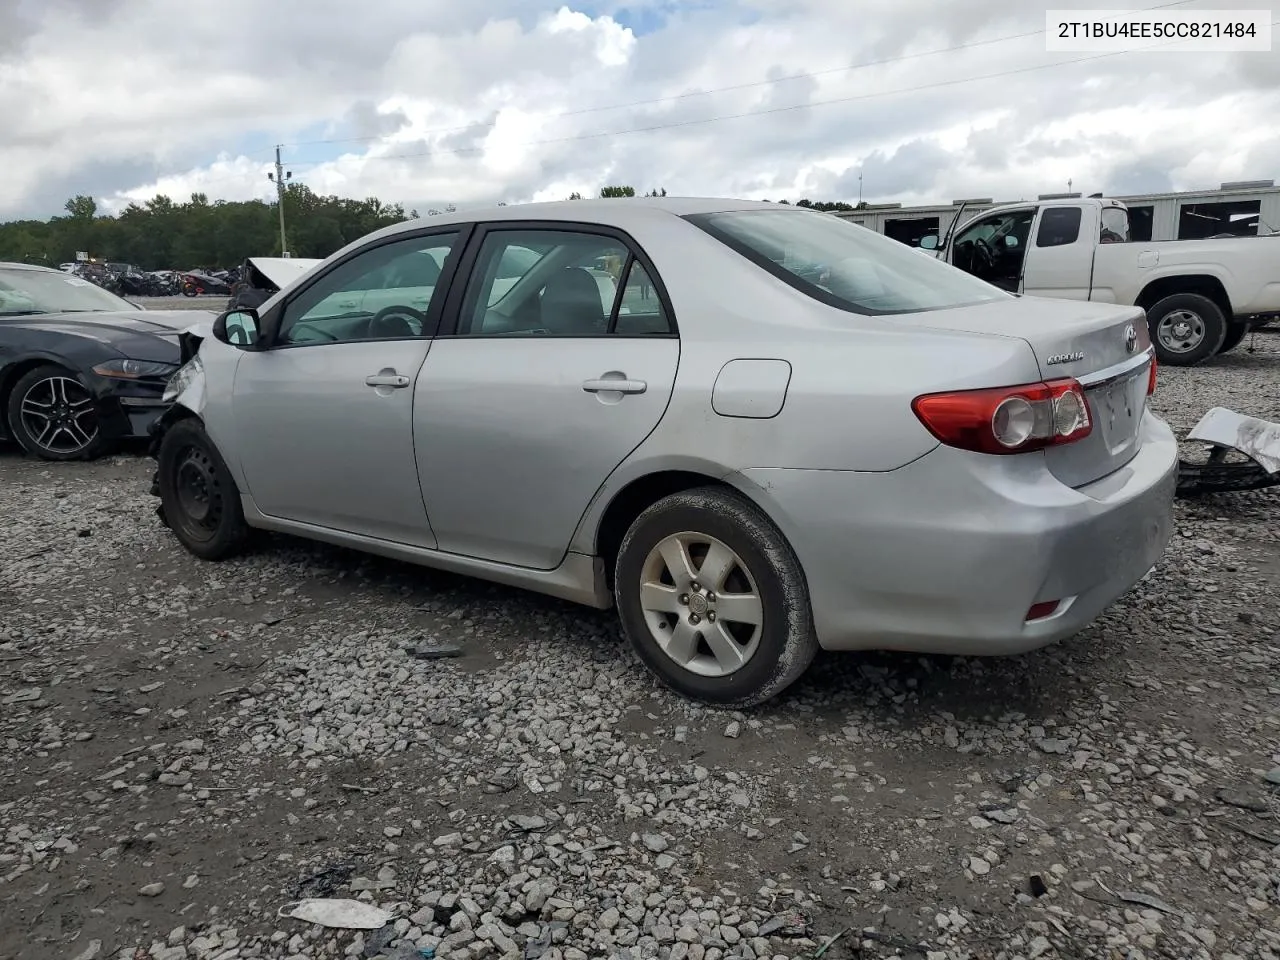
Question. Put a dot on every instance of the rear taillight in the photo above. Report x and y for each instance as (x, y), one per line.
(1151, 377)
(1007, 419)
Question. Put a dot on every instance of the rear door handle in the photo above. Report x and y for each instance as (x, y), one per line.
(386, 380)
(606, 385)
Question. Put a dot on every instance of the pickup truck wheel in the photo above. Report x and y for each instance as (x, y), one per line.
(1186, 329)
(1235, 336)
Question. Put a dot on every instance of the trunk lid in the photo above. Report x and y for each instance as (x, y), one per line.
(1104, 346)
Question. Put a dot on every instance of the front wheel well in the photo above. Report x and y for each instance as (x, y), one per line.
(9, 379)
(1202, 284)
(11, 375)
(632, 500)
(164, 423)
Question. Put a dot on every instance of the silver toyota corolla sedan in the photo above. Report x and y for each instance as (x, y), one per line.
(756, 430)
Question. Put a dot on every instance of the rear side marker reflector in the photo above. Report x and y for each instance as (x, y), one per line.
(1005, 420)
(1043, 609)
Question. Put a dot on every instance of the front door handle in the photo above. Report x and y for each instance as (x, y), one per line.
(386, 380)
(609, 385)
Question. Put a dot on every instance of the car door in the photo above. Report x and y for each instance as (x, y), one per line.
(993, 247)
(539, 392)
(1060, 263)
(325, 412)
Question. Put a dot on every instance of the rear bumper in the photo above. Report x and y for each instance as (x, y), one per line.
(948, 554)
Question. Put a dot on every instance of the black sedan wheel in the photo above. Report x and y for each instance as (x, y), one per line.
(54, 416)
(199, 496)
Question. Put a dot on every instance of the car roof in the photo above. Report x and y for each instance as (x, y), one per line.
(620, 211)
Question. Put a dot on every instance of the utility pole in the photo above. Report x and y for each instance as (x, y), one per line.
(859, 187)
(279, 177)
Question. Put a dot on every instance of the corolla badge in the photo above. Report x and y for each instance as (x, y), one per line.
(1130, 339)
(1065, 358)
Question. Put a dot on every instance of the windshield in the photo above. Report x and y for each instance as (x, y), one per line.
(46, 291)
(842, 264)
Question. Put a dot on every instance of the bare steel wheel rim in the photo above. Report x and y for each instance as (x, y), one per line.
(59, 415)
(1181, 331)
(701, 604)
(199, 494)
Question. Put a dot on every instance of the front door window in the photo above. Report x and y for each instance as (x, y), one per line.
(993, 248)
(384, 293)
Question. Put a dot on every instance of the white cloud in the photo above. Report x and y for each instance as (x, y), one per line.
(518, 100)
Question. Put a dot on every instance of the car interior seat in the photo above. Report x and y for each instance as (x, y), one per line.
(571, 304)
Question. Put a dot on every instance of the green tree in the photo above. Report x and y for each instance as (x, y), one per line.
(81, 207)
(161, 233)
(617, 191)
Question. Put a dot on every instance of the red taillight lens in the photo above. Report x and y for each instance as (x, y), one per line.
(1151, 377)
(1007, 419)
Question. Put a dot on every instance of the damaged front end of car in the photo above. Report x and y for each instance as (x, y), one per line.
(184, 396)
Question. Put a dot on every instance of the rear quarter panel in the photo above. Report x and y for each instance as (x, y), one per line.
(853, 377)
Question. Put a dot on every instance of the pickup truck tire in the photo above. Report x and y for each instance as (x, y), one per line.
(1235, 336)
(1186, 329)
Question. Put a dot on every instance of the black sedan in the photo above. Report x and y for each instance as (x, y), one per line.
(80, 368)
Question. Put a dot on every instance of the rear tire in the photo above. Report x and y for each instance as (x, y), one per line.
(1235, 336)
(1186, 329)
(198, 495)
(736, 640)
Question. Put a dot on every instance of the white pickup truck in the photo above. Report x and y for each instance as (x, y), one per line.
(1201, 296)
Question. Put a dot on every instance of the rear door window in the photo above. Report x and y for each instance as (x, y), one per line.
(1059, 226)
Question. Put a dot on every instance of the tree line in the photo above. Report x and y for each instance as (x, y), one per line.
(163, 234)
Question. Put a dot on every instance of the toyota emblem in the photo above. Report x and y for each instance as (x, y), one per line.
(1130, 339)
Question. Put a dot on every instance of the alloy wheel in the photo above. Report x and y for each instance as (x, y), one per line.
(701, 604)
(59, 415)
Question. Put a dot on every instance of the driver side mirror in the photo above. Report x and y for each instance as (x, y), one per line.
(237, 328)
(929, 242)
(1011, 243)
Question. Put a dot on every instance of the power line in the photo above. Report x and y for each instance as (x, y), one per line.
(938, 84)
(729, 89)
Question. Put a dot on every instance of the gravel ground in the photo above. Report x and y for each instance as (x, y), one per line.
(214, 303)
(190, 747)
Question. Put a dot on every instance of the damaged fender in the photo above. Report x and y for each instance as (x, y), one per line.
(185, 392)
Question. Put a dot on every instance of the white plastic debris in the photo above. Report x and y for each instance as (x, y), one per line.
(340, 914)
(1256, 439)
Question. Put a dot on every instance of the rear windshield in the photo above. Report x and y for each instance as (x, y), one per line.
(844, 264)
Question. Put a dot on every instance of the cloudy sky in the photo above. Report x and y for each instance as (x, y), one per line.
(428, 102)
